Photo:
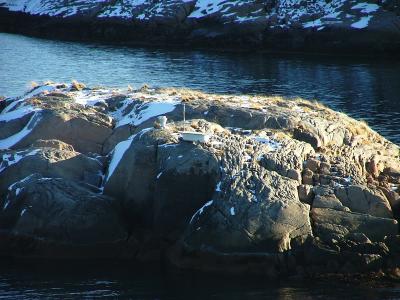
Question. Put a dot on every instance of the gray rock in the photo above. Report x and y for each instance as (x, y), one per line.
(328, 201)
(364, 200)
(333, 224)
(61, 211)
(51, 162)
(306, 193)
(161, 182)
(82, 127)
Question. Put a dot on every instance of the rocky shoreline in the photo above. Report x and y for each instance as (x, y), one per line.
(336, 27)
(282, 188)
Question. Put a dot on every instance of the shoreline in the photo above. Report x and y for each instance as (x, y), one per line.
(332, 42)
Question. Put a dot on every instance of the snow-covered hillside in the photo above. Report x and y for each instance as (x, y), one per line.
(317, 14)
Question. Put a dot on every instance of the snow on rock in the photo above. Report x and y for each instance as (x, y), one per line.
(11, 159)
(119, 152)
(207, 7)
(37, 91)
(53, 7)
(232, 211)
(280, 14)
(10, 188)
(141, 112)
(6, 204)
(7, 143)
(366, 7)
(18, 113)
(362, 23)
(121, 9)
(272, 144)
(91, 97)
(200, 211)
(23, 212)
(17, 191)
(218, 188)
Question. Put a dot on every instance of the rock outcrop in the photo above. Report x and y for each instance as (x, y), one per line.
(317, 26)
(70, 215)
(281, 187)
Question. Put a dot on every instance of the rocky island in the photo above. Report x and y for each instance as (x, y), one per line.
(355, 27)
(282, 187)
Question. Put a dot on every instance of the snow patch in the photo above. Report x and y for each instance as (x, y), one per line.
(362, 23)
(120, 150)
(218, 188)
(23, 212)
(273, 145)
(200, 211)
(17, 191)
(10, 188)
(18, 113)
(205, 7)
(144, 111)
(92, 97)
(232, 211)
(9, 159)
(118, 153)
(14, 139)
(6, 204)
(34, 92)
(315, 23)
(366, 7)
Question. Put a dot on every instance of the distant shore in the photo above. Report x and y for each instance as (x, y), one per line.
(230, 37)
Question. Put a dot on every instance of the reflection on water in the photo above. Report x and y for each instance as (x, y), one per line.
(91, 280)
(365, 90)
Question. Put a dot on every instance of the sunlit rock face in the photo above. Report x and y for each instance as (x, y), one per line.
(281, 186)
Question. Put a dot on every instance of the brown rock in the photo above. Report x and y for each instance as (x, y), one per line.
(308, 177)
(365, 200)
(329, 223)
(306, 193)
(294, 174)
(312, 164)
(56, 144)
(325, 168)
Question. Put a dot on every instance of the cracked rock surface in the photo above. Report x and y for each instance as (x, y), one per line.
(281, 187)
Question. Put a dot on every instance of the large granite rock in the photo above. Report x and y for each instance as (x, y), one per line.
(50, 162)
(364, 200)
(160, 181)
(333, 224)
(61, 212)
(56, 116)
(279, 189)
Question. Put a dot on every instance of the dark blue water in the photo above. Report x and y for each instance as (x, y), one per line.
(95, 280)
(368, 90)
(365, 89)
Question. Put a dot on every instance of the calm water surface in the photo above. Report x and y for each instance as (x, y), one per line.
(368, 90)
(95, 280)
